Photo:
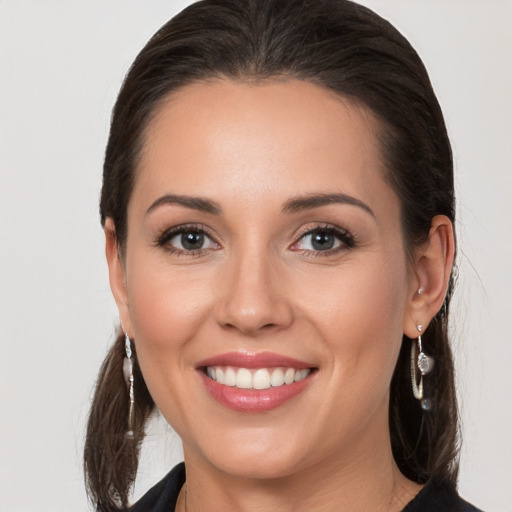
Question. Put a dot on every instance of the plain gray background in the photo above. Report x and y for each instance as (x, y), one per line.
(61, 65)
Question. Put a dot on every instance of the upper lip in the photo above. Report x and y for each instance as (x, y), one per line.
(253, 360)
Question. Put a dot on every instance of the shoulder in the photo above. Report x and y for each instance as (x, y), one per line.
(439, 498)
(163, 496)
(432, 498)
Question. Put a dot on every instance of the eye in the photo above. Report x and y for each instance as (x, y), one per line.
(187, 239)
(324, 239)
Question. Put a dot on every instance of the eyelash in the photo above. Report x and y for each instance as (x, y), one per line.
(164, 239)
(347, 240)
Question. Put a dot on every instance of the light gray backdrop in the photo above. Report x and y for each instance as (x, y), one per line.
(61, 64)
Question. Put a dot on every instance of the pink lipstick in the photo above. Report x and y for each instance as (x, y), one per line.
(254, 382)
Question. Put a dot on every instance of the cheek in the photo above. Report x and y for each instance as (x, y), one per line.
(360, 312)
(167, 305)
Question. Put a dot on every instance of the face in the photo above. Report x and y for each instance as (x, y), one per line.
(265, 281)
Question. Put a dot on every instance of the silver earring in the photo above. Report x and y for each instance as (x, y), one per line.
(128, 377)
(420, 361)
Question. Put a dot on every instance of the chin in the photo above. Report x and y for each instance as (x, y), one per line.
(262, 467)
(256, 457)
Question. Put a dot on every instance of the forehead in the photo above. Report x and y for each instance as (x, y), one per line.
(253, 141)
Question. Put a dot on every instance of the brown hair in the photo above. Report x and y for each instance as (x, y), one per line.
(350, 50)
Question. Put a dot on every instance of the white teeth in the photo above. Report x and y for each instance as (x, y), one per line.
(277, 378)
(289, 376)
(261, 378)
(244, 379)
(301, 374)
(230, 377)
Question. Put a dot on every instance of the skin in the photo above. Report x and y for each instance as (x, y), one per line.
(258, 285)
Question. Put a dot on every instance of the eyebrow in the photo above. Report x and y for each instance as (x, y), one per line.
(294, 205)
(298, 204)
(195, 203)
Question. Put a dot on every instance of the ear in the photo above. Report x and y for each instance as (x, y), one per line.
(433, 263)
(117, 276)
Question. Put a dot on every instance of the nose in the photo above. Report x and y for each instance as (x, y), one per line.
(254, 299)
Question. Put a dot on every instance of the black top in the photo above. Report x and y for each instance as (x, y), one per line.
(432, 498)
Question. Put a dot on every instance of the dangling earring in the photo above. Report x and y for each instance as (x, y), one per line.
(128, 377)
(424, 364)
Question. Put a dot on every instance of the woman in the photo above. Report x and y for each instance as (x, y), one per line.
(278, 208)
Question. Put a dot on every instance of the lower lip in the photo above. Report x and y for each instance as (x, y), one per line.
(253, 400)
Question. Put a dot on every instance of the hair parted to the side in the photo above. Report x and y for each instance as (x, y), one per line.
(347, 49)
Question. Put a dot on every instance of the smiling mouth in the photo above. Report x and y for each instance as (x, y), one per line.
(257, 378)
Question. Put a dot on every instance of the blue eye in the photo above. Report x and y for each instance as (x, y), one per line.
(187, 240)
(324, 239)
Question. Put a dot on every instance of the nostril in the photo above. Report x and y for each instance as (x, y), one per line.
(249, 328)
(252, 314)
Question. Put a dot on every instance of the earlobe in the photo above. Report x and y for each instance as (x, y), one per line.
(117, 275)
(432, 269)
